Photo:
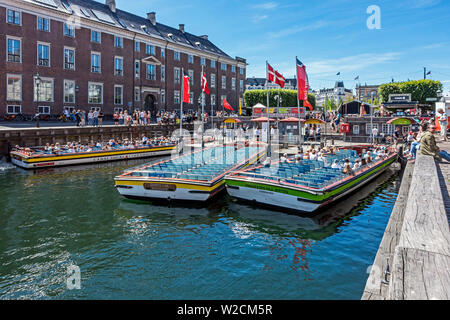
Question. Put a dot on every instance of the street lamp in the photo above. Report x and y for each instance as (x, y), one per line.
(37, 81)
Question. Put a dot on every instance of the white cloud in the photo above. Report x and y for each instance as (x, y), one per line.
(259, 18)
(266, 6)
(296, 29)
(346, 65)
(416, 4)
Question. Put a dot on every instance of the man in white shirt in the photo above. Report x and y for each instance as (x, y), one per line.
(442, 117)
(375, 135)
(336, 165)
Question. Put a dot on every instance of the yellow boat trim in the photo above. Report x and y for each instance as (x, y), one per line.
(178, 185)
(93, 155)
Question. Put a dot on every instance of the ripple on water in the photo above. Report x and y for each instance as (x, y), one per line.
(128, 249)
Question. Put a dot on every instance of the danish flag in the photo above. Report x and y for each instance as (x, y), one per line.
(205, 88)
(274, 76)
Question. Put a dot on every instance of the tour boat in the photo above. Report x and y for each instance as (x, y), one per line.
(305, 186)
(196, 176)
(36, 158)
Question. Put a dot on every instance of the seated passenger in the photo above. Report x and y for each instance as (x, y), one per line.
(336, 165)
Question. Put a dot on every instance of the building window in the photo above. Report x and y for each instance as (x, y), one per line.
(163, 73)
(203, 61)
(176, 55)
(95, 62)
(241, 85)
(191, 77)
(96, 36)
(151, 72)
(118, 66)
(213, 99)
(222, 97)
(137, 94)
(137, 46)
(163, 96)
(13, 109)
(224, 82)
(13, 17)
(43, 110)
(190, 58)
(95, 93)
(162, 53)
(45, 91)
(149, 49)
(69, 91)
(213, 64)
(387, 128)
(355, 129)
(43, 55)
(213, 80)
(233, 83)
(177, 75)
(191, 97)
(118, 42)
(14, 50)
(137, 69)
(233, 69)
(14, 88)
(241, 71)
(118, 95)
(43, 24)
(69, 59)
(176, 97)
(118, 110)
(69, 30)
(223, 66)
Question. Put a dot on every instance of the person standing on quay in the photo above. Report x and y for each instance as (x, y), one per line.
(90, 118)
(95, 117)
(100, 117)
(443, 122)
(83, 118)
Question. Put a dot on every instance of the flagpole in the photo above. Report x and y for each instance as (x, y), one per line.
(267, 111)
(300, 133)
(181, 105)
(203, 109)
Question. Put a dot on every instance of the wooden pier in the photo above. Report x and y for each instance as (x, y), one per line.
(413, 260)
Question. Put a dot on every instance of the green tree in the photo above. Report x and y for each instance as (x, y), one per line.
(420, 90)
(289, 98)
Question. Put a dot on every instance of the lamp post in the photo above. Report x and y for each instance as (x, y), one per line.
(37, 81)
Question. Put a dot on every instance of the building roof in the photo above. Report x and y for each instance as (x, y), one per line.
(101, 13)
(262, 82)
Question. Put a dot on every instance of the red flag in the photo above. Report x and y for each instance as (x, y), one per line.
(186, 89)
(205, 88)
(302, 81)
(275, 76)
(226, 105)
(308, 104)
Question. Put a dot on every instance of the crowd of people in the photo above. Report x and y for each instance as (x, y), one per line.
(112, 144)
(322, 154)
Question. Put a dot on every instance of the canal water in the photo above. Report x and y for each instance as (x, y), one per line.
(52, 220)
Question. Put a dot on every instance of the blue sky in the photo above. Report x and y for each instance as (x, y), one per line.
(328, 36)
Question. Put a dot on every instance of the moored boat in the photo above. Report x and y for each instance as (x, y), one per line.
(305, 186)
(36, 158)
(196, 176)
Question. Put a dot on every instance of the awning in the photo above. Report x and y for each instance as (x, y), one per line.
(261, 119)
(314, 121)
(401, 121)
(292, 119)
(232, 120)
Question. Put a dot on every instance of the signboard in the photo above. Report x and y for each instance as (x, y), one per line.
(400, 97)
(431, 99)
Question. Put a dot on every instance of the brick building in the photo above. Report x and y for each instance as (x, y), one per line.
(89, 54)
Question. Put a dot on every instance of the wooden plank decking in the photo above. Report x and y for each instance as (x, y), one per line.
(416, 241)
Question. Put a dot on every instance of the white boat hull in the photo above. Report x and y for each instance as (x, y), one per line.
(48, 164)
